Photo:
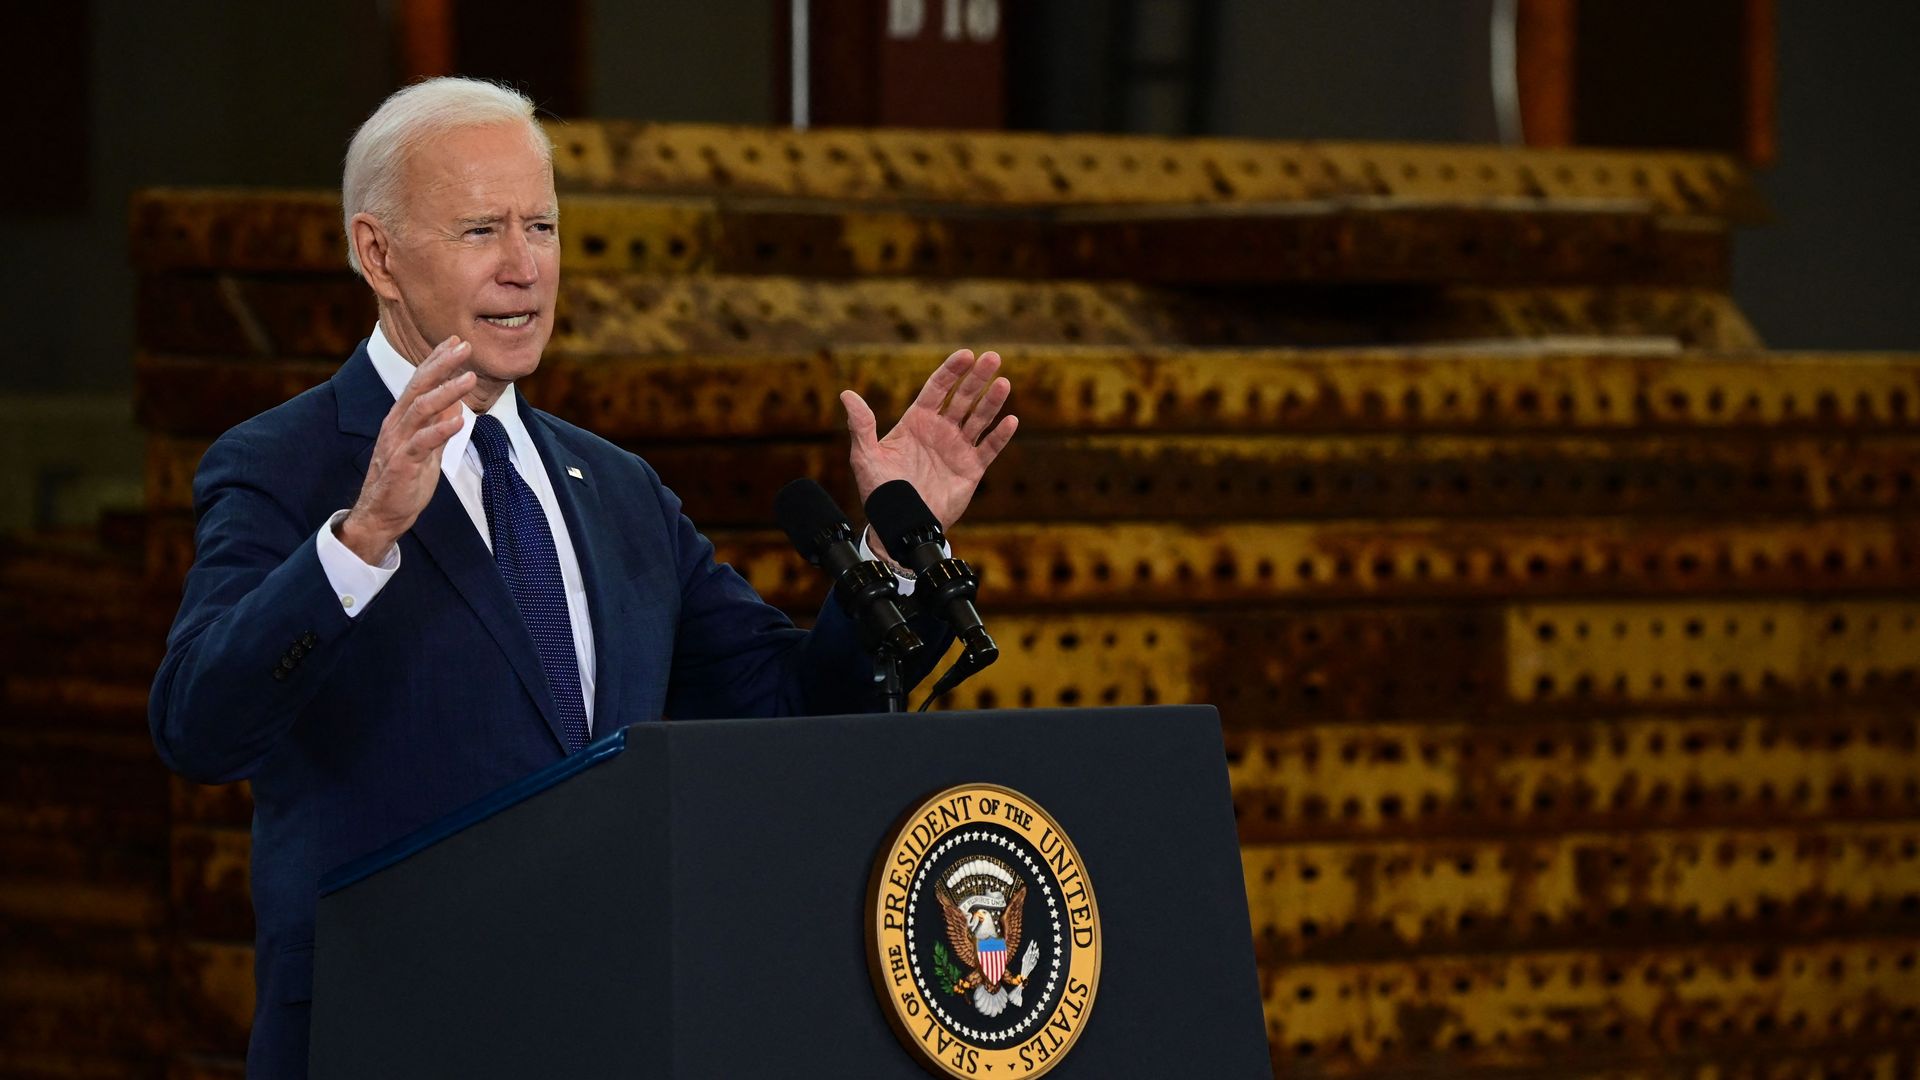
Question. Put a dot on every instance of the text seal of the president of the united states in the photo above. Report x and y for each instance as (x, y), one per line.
(984, 940)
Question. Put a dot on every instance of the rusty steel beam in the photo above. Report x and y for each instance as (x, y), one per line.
(1574, 1011)
(1392, 245)
(1562, 772)
(222, 314)
(1237, 478)
(1267, 670)
(1367, 242)
(1075, 567)
(169, 467)
(65, 886)
(1412, 390)
(240, 230)
(1669, 652)
(210, 804)
(168, 554)
(1248, 478)
(1412, 896)
(1173, 565)
(212, 991)
(625, 314)
(236, 229)
(1427, 244)
(1765, 1062)
(1428, 391)
(1479, 658)
(82, 1005)
(1045, 478)
(180, 396)
(1697, 319)
(209, 886)
(1031, 169)
(1480, 389)
(1372, 665)
(60, 782)
(634, 314)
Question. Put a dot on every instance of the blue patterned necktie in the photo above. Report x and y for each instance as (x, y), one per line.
(523, 549)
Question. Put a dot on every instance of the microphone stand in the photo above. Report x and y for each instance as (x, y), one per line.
(888, 676)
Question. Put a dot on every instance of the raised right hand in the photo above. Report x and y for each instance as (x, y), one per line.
(406, 457)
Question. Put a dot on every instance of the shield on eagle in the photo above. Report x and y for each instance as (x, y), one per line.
(993, 959)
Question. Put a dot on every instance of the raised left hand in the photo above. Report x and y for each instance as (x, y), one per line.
(942, 444)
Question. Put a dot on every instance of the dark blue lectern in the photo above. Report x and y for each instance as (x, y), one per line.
(686, 899)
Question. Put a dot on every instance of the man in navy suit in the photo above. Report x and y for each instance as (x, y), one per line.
(410, 588)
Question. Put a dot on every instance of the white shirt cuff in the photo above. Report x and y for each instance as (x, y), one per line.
(902, 573)
(353, 581)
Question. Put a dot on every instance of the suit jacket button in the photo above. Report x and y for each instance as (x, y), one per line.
(279, 674)
(309, 639)
(297, 651)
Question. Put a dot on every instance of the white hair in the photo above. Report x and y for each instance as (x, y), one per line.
(377, 156)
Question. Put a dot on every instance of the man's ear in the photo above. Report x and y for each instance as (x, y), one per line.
(373, 243)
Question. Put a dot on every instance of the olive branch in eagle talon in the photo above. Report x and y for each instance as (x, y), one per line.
(965, 929)
(944, 969)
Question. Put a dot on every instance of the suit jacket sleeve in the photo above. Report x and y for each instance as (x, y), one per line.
(737, 655)
(258, 627)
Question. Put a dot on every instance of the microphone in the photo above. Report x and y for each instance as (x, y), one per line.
(943, 585)
(867, 589)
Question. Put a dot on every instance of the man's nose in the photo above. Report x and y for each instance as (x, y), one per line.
(517, 264)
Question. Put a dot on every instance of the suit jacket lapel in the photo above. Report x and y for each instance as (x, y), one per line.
(595, 546)
(447, 536)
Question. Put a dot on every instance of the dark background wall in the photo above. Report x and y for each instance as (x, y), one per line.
(1839, 268)
(206, 92)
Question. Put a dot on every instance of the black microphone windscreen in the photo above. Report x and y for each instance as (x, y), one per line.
(897, 512)
(808, 514)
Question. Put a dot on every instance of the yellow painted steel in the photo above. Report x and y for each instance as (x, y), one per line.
(237, 229)
(1379, 778)
(1036, 169)
(212, 983)
(1388, 896)
(1091, 389)
(1362, 476)
(1492, 1010)
(1070, 564)
(1664, 651)
(668, 236)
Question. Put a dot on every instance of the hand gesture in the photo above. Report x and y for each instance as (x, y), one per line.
(943, 442)
(405, 467)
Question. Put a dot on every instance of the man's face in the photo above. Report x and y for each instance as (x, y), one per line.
(478, 253)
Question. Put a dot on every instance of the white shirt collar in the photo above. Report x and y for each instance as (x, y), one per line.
(396, 371)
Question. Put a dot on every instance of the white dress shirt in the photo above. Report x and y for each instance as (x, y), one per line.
(356, 583)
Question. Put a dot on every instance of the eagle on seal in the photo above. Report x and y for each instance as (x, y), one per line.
(974, 930)
(983, 902)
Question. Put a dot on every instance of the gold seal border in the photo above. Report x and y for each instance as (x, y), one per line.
(1086, 962)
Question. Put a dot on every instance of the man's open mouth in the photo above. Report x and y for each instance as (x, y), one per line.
(509, 321)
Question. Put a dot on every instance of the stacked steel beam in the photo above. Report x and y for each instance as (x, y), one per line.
(1565, 641)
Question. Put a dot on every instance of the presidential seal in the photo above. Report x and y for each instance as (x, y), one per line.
(984, 941)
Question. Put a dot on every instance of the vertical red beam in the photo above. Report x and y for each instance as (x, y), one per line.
(1758, 47)
(1544, 54)
(918, 63)
(425, 33)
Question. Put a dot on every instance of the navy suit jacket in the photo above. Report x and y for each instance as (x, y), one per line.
(355, 732)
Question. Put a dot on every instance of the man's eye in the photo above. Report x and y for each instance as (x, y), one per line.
(481, 230)
(544, 226)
